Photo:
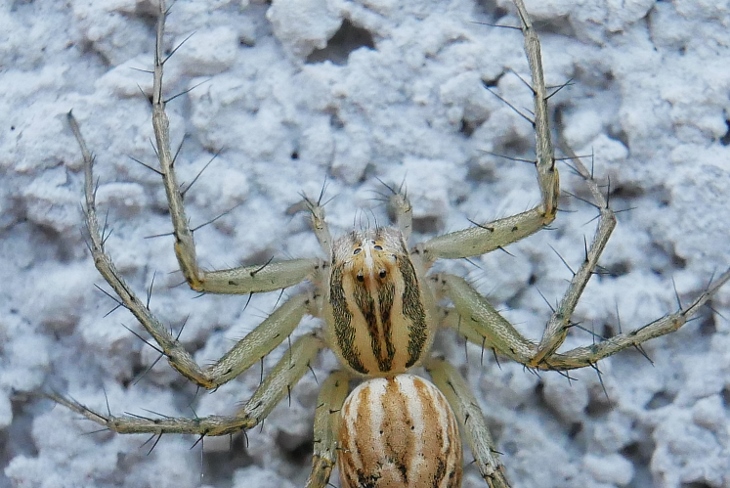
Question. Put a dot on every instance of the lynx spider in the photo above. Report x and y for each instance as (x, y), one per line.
(380, 309)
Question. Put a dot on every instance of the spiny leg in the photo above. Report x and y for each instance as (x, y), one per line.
(400, 209)
(248, 279)
(316, 219)
(320, 227)
(501, 234)
(557, 327)
(478, 321)
(326, 428)
(494, 331)
(589, 355)
(270, 333)
(487, 237)
(397, 202)
(285, 374)
(468, 413)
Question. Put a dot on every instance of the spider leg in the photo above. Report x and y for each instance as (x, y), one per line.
(482, 324)
(494, 329)
(319, 225)
(285, 374)
(272, 276)
(487, 237)
(557, 327)
(581, 357)
(326, 428)
(401, 210)
(478, 321)
(468, 413)
(270, 333)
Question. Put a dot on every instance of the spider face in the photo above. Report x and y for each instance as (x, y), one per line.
(377, 310)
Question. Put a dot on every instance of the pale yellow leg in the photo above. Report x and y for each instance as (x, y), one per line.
(272, 390)
(468, 413)
(247, 279)
(326, 428)
(487, 237)
(477, 320)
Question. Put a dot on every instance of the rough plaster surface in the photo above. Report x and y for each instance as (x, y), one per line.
(302, 90)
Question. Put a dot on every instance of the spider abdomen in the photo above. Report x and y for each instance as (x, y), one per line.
(399, 432)
(377, 309)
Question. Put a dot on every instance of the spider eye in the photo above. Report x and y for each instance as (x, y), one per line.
(382, 273)
(378, 248)
(357, 251)
(360, 278)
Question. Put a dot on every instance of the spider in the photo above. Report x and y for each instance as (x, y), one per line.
(381, 309)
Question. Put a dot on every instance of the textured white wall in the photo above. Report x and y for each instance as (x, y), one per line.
(649, 98)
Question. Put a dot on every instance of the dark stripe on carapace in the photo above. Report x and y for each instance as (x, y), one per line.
(386, 295)
(344, 331)
(366, 305)
(378, 320)
(413, 309)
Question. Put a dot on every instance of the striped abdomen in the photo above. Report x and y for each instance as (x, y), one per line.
(399, 432)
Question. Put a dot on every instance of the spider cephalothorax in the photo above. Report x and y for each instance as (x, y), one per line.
(378, 311)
